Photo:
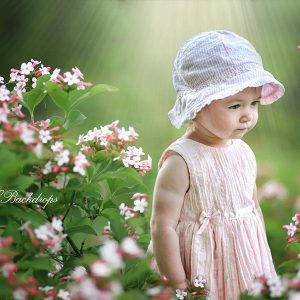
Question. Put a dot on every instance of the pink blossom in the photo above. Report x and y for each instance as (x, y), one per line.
(51, 235)
(4, 111)
(80, 163)
(26, 134)
(81, 85)
(55, 74)
(125, 211)
(1, 80)
(4, 93)
(1, 136)
(77, 72)
(44, 70)
(14, 75)
(35, 62)
(272, 189)
(5, 241)
(8, 269)
(291, 229)
(296, 219)
(20, 294)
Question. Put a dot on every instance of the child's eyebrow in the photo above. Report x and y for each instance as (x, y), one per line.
(239, 100)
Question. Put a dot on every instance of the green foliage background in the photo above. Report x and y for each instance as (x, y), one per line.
(131, 44)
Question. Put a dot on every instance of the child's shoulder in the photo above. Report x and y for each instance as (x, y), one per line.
(176, 150)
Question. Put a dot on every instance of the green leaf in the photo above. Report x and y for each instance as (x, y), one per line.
(136, 273)
(11, 210)
(12, 230)
(74, 118)
(97, 89)
(36, 218)
(81, 229)
(32, 99)
(23, 182)
(39, 263)
(295, 247)
(109, 204)
(10, 169)
(58, 96)
(100, 156)
(132, 295)
(6, 156)
(35, 96)
(287, 264)
(118, 230)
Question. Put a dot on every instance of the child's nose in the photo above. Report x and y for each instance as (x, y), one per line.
(246, 116)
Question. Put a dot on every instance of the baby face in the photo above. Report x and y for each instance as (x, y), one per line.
(231, 117)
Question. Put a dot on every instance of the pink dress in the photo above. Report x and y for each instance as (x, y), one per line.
(221, 235)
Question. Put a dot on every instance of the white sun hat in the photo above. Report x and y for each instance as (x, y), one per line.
(214, 65)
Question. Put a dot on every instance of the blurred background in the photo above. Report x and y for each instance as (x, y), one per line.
(131, 44)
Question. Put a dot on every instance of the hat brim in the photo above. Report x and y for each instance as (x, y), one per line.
(191, 101)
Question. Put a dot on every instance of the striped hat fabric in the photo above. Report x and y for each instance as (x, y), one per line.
(214, 65)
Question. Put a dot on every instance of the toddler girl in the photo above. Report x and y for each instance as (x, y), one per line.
(206, 219)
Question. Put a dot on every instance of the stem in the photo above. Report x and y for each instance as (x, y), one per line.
(32, 118)
(82, 245)
(102, 171)
(72, 202)
(53, 257)
(71, 242)
(74, 247)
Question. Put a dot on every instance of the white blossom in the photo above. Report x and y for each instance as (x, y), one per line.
(101, 269)
(62, 157)
(63, 294)
(57, 147)
(140, 205)
(4, 93)
(256, 288)
(110, 254)
(70, 78)
(180, 294)
(78, 272)
(57, 224)
(45, 136)
(26, 68)
(130, 246)
(47, 169)
(80, 164)
(199, 281)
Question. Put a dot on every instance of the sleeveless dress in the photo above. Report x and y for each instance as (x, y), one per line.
(221, 234)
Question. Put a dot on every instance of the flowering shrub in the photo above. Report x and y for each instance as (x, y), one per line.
(286, 286)
(72, 214)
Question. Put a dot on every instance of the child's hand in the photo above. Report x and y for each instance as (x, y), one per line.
(182, 285)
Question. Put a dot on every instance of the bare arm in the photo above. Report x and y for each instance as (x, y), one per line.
(258, 206)
(171, 184)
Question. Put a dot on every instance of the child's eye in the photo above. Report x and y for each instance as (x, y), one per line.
(234, 106)
(254, 103)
